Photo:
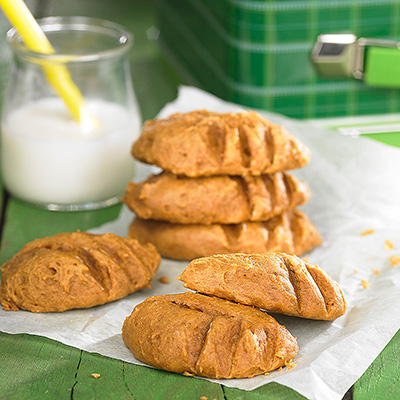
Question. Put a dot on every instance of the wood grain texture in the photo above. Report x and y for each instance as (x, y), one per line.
(381, 381)
(271, 391)
(24, 223)
(33, 367)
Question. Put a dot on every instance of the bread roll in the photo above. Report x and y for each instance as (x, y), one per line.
(75, 270)
(199, 335)
(276, 282)
(204, 143)
(215, 200)
(291, 232)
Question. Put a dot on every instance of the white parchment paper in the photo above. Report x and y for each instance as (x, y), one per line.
(355, 186)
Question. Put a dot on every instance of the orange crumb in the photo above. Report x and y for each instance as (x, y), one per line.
(394, 260)
(365, 283)
(95, 376)
(267, 373)
(164, 279)
(376, 271)
(367, 232)
(280, 369)
(355, 294)
(388, 245)
(187, 373)
(289, 364)
(203, 398)
(356, 271)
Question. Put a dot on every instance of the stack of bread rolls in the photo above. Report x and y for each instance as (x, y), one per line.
(224, 187)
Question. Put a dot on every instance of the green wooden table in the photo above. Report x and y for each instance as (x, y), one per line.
(33, 367)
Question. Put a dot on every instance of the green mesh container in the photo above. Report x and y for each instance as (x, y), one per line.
(257, 53)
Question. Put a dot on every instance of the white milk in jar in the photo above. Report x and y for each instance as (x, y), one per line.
(47, 159)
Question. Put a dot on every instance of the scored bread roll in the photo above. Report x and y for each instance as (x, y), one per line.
(215, 200)
(204, 143)
(199, 335)
(291, 232)
(75, 270)
(276, 282)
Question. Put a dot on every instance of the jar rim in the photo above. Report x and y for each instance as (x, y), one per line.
(71, 23)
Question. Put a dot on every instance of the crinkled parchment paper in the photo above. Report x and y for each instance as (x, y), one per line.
(355, 186)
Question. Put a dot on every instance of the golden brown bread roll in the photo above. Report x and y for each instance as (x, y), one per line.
(276, 282)
(203, 143)
(291, 232)
(195, 334)
(75, 270)
(215, 200)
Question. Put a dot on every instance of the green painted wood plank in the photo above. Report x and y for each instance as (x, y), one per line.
(271, 391)
(381, 381)
(110, 385)
(24, 223)
(33, 368)
(121, 380)
(149, 383)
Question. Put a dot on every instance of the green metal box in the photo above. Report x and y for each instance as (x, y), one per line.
(257, 53)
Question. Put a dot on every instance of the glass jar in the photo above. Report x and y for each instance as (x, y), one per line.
(49, 159)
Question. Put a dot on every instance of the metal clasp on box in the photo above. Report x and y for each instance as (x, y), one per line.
(340, 55)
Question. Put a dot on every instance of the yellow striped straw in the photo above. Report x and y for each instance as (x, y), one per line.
(57, 75)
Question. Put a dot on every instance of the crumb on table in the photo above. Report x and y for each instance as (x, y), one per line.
(376, 271)
(356, 271)
(290, 364)
(388, 245)
(394, 260)
(95, 375)
(367, 232)
(164, 279)
(365, 283)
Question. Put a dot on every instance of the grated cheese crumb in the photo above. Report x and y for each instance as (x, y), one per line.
(394, 260)
(95, 376)
(203, 398)
(356, 271)
(376, 271)
(367, 232)
(388, 245)
(365, 284)
(187, 373)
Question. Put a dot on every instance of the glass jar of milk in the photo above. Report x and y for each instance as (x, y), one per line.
(47, 158)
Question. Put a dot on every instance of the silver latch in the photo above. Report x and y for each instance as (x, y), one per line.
(341, 55)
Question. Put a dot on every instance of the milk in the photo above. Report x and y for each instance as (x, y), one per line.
(45, 158)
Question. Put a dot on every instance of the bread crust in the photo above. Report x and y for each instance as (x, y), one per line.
(204, 143)
(199, 335)
(75, 270)
(215, 200)
(276, 282)
(290, 232)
